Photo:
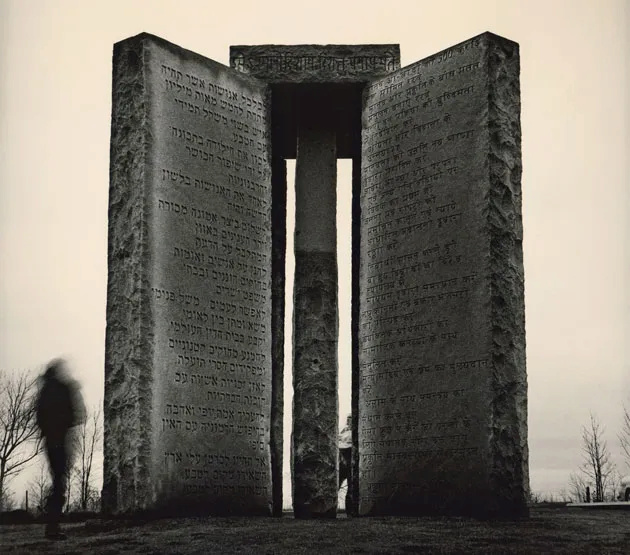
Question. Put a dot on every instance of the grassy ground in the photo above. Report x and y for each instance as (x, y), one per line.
(549, 530)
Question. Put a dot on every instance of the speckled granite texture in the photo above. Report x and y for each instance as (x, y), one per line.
(315, 424)
(315, 321)
(128, 374)
(510, 473)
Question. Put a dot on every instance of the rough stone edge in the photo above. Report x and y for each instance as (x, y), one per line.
(355, 327)
(278, 280)
(509, 475)
(128, 336)
(315, 470)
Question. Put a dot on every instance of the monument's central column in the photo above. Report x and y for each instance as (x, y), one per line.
(315, 331)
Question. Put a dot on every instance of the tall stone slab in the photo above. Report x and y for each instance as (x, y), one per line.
(188, 343)
(278, 278)
(442, 380)
(315, 319)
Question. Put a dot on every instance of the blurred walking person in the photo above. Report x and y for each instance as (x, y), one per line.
(59, 408)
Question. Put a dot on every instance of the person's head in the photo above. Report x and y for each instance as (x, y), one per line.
(56, 370)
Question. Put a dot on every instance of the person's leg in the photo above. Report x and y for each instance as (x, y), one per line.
(56, 453)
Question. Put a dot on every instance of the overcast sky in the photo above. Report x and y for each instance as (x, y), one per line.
(55, 108)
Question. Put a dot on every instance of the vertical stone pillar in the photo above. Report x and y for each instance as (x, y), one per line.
(353, 483)
(442, 316)
(188, 344)
(279, 243)
(315, 319)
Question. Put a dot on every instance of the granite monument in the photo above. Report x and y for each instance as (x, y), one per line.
(197, 236)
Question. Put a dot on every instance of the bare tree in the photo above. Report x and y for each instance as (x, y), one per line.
(565, 496)
(39, 487)
(18, 429)
(614, 485)
(534, 497)
(624, 436)
(7, 500)
(88, 436)
(577, 487)
(597, 464)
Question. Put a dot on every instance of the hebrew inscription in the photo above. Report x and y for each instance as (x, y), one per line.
(425, 308)
(209, 283)
(212, 281)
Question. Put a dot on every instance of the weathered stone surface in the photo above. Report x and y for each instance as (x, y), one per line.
(314, 63)
(128, 338)
(508, 437)
(315, 405)
(188, 349)
(315, 328)
(442, 399)
(279, 239)
(353, 509)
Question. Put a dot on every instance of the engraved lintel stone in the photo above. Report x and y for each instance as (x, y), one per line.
(316, 63)
(315, 409)
(188, 387)
(442, 379)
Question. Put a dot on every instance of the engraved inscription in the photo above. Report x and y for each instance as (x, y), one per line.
(312, 63)
(423, 353)
(211, 288)
(285, 63)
